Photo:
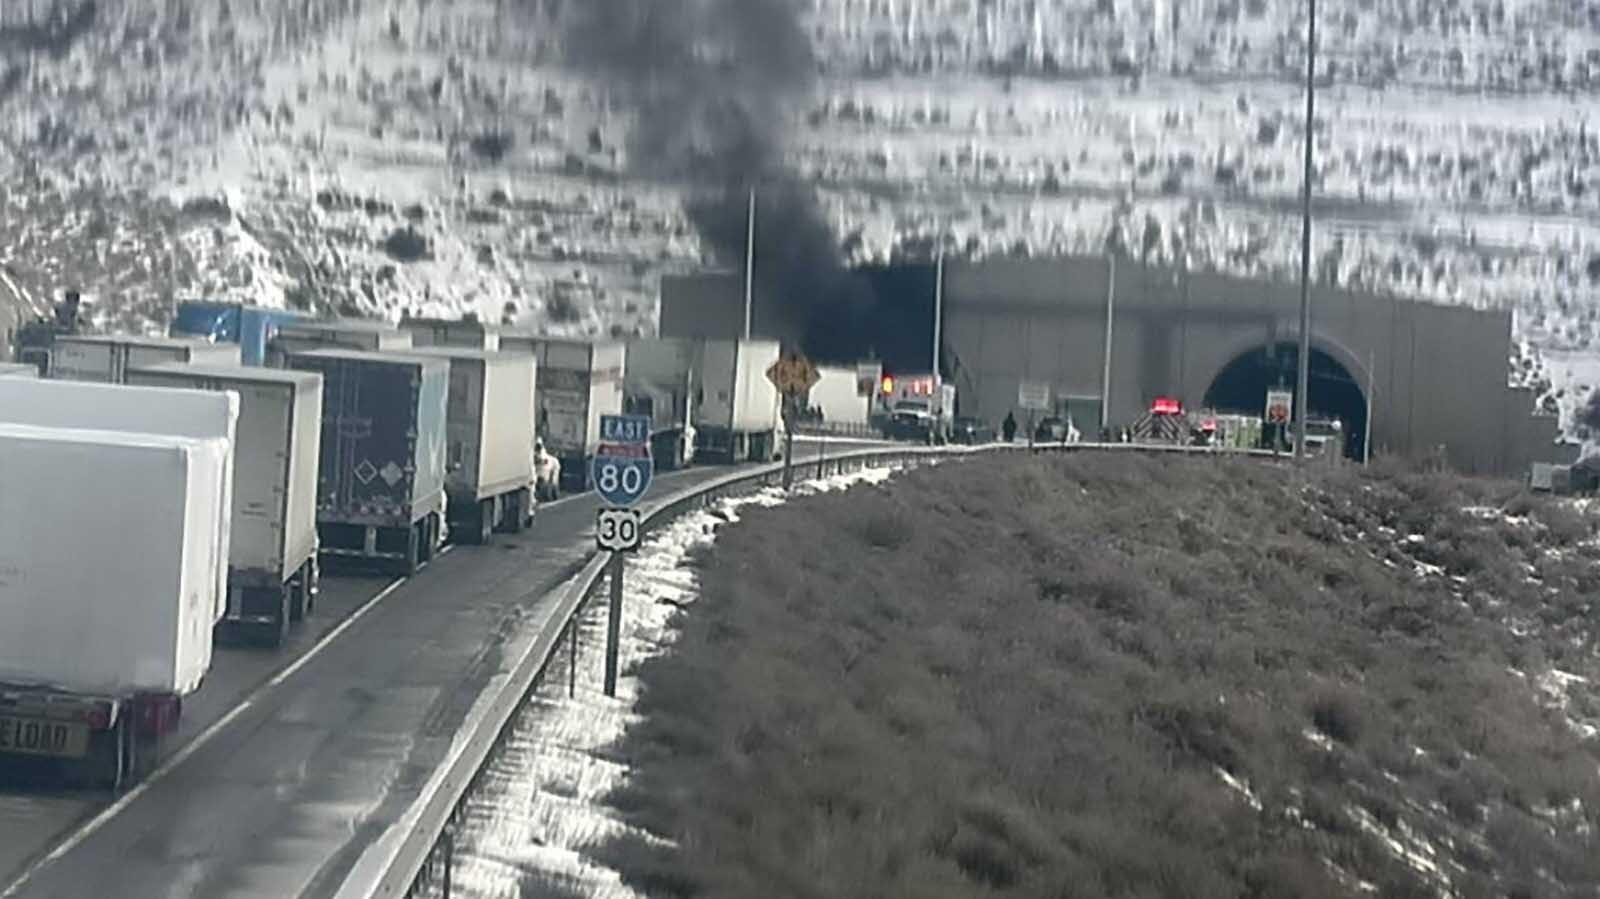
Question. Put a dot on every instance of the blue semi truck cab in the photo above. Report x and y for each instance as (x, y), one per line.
(252, 327)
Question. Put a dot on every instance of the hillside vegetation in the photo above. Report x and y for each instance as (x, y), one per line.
(1121, 676)
(365, 155)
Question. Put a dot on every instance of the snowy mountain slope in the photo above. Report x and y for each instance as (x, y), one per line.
(371, 155)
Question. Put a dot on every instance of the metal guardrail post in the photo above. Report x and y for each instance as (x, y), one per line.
(614, 622)
(572, 657)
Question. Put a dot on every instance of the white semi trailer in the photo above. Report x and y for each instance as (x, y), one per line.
(579, 381)
(738, 417)
(341, 333)
(489, 429)
(107, 592)
(137, 410)
(273, 575)
(108, 358)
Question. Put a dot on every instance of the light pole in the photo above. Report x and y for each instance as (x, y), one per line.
(750, 263)
(1303, 400)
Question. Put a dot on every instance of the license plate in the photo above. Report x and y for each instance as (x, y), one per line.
(36, 736)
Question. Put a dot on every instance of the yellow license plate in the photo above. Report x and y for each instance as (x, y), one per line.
(37, 736)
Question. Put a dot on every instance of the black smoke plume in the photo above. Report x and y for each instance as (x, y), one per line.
(714, 86)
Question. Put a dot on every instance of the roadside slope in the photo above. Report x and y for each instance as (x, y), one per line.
(1108, 676)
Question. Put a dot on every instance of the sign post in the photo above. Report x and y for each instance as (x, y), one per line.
(1280, 409)
(1034, 396)
(622, 471)
(794, 376)
(868, 376)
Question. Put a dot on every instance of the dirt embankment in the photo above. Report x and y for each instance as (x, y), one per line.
(1108, 676)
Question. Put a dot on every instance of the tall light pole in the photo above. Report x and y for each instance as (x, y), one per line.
(750, 263)
(938, 309)
(1303, 389)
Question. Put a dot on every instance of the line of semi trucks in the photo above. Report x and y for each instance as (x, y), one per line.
(162, 495)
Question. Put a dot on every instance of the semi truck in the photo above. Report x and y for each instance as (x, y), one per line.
(381, 466)
(96, 659)
(489, 423)
(662, 381)
(273, 576)
(107, 358)
(919, 406)
(473, 334)
(139, 410)
(318, 334)
(738, 416)
(464, 332)
(579, 381)
(251, 327)
(838, 398)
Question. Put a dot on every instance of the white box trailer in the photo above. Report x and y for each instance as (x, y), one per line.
(836, 396)
(468, 333)
(107, 358)
(738, 415)
(578, 381)
(489, 430)
(272, 559)
(661, 382)
(138, 410)
(106, 583)
(344, 333)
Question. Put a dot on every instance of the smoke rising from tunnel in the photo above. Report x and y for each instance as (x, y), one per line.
(713, 86)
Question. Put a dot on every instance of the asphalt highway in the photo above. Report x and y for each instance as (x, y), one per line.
(290, 763)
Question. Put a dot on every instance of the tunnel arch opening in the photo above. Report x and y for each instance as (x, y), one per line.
(1241, 387)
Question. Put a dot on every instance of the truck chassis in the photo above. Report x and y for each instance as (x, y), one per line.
(105, 742)
(402, 549)
(472, 521)
(261, 609)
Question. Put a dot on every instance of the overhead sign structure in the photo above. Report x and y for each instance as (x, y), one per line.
(617, 530)
(793, 375)
(1280, 406)
(622, 469)
(1034, 396)
(868, 374)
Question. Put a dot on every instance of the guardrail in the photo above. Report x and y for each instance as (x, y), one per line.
(425, 855)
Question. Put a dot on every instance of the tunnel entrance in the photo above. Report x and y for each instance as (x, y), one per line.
(1241, 387)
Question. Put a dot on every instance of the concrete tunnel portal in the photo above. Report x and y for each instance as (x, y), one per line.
(1242, 385)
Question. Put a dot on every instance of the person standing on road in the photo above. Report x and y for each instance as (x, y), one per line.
(1009, 427)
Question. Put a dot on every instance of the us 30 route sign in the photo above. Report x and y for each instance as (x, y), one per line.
(617, 530)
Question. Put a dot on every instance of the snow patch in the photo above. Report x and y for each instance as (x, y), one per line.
(542, 809)
(1404, 843)
(1239, 786)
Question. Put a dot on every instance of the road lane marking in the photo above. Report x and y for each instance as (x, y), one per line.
(93, 825)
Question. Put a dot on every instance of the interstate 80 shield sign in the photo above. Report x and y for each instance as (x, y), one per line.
(622, 467)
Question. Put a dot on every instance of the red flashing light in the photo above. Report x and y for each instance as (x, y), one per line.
(1166, 405)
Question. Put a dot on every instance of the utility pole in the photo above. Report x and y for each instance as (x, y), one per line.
(750, 263)
(938, 308)
(1303, 388)
(1111, 308)
(1372, 395)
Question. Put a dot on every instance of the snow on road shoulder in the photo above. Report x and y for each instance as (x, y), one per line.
(540, 806)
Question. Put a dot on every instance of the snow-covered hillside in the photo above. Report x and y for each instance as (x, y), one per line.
(373, 154)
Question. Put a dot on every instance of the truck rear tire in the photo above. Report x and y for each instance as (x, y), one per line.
(275, 633)
(411, 563)
(516, 511)
(300, 595)
(485, 522)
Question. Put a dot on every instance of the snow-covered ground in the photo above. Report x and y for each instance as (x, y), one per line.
(370, 155)
(541, 807)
